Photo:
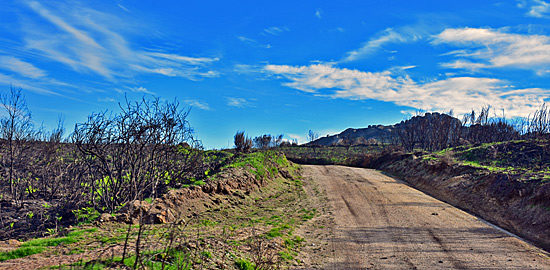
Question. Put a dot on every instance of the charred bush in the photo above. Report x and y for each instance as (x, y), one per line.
(243, 144)
(137, 152)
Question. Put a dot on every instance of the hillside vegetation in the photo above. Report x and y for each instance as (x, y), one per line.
(241, 217)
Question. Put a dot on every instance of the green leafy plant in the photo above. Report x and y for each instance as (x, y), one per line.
(86, 214)
(244, 264)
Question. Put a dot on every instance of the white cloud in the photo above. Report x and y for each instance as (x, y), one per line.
(253, 42)
(275, 31)
(537, 8)
(106, 99)
(89, 41)
(299, 138)
(140, 89)
(246, 40)
(462, 64)
(184, 59)
(490, 48)
(319, 13)
(34, 87)
(460, 93)
(238, 102)
(198, 104)
(123, 8)
(374, 44)
(21, 67)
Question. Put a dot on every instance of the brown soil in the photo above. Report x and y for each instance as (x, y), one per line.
(522, 207)
(379, 222)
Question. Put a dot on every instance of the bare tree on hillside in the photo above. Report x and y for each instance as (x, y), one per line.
(539, 123)
(267, 141)
(242, 143)
(312, 136)
(263, 142)
(16, 129)
(133, 154)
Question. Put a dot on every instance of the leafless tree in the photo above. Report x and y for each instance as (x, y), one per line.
(243, 144)
(132, 154)
(312, 136)
(262, 142)
(539, 122)
(16, 130)
(267, 141)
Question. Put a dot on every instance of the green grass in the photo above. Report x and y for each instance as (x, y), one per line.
(40, 245)
(244, 264)
(261, 163)
(174, 260)
(20, 252)
(49, 242)
(308, 214)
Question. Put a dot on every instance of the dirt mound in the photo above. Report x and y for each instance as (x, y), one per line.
(228, 188)
(504, 199)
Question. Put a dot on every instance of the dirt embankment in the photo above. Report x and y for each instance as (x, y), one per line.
(522, 207)
(181, 204)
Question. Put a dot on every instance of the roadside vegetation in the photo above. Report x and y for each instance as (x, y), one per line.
(134, 188)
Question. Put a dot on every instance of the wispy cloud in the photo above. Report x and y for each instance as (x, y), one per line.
(275, 31)
(184, 59)
(21, 67)
(39, 88)
(238, 102)
(89, 41)
(123, 8)
(459, 93)
(537, 8)
(139, 89)
(198, 104)
(319, 13)
(253, 42)
(489, 48)
(106, 99)
(376, 43)
(462, 64)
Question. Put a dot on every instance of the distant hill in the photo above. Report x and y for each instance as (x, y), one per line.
(380, 133)
(352, 136)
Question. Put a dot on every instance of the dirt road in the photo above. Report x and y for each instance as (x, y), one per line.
(381, 223)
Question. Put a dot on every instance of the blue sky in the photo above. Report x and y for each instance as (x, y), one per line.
(278, 67)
